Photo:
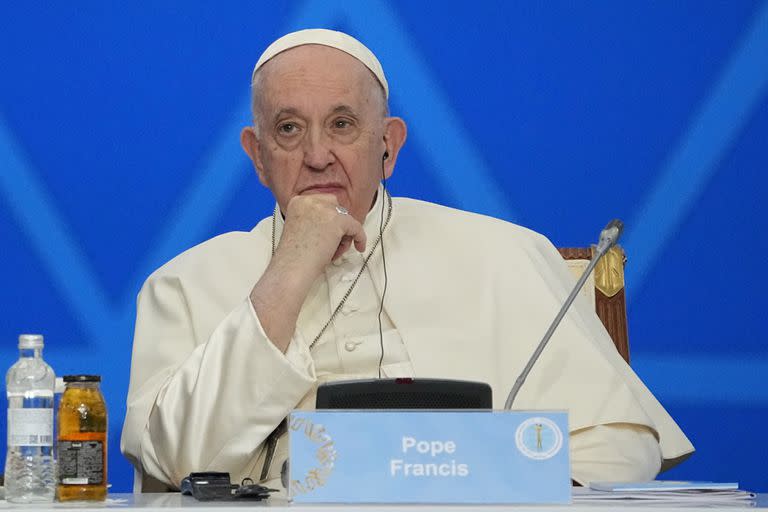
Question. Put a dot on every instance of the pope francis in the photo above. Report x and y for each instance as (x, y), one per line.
(345, 281)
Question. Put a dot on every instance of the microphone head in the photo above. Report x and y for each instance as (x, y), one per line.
(616, 223)
(610, 235)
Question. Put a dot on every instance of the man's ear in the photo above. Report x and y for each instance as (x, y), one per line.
(252, 147)
(395, 133)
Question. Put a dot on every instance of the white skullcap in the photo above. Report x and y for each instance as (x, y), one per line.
(325, 37)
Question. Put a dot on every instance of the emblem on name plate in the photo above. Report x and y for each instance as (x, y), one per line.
(538, 438)
(325, 455)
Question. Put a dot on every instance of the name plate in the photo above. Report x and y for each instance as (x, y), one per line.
(429, 457)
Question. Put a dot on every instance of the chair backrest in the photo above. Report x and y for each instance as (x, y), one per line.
(606, 288)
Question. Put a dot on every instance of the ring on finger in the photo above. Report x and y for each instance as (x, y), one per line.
(342, 210)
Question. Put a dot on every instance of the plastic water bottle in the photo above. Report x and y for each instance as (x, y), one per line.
(29, 465)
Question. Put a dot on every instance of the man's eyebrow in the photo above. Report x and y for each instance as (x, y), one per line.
(291, 111)
(344, 109)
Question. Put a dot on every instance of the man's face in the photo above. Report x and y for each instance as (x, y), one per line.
(320, 128)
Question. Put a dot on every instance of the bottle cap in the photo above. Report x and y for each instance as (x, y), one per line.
(31, 341)
(82, 378)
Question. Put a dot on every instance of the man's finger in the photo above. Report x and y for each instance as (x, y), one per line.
(357, 234)
(360, 242)
(342, 248)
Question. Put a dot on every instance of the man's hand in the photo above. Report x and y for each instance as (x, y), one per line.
(315, 233)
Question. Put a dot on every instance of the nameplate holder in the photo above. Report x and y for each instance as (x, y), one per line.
(376, 456)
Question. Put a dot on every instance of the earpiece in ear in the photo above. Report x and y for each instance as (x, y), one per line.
(385, 156)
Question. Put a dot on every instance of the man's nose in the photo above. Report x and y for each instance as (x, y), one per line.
(318, 151)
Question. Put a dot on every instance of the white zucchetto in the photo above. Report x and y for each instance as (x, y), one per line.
(325, 37)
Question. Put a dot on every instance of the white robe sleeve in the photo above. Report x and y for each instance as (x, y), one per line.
(619, 452)
(205, 405)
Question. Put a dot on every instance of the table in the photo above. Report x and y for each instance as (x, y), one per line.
(175, 502)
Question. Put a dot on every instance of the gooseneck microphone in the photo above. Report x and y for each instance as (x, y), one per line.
(608, 238)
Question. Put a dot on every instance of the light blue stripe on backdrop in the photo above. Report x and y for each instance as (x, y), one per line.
(65, 262)
(224, 169)
(738, 92)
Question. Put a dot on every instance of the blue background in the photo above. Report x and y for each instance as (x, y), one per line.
(119, 148)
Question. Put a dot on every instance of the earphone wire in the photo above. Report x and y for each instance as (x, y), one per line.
(384, 263)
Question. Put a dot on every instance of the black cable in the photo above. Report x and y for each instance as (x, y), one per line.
(384, 262)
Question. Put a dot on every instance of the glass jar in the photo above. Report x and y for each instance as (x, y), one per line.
(82, 440)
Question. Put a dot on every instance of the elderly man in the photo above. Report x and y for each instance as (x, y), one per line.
(344, 281)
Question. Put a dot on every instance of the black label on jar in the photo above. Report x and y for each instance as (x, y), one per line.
(81, 462)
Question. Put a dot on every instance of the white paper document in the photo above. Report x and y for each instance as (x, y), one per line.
(664, 486)
(664, 492)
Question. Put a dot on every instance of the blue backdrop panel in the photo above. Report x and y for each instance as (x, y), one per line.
(119, 148)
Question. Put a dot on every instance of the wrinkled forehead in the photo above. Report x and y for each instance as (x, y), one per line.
(314, 63)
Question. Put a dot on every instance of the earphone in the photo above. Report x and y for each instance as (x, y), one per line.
(383, 258)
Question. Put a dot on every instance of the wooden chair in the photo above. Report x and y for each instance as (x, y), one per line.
(606, 288)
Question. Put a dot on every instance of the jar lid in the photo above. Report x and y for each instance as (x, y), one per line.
(82, 378)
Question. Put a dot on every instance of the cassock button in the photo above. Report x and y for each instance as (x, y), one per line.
(350, 346)
(349, 308)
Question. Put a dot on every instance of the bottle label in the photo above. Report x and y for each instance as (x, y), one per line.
(30, 427)
(81, 462)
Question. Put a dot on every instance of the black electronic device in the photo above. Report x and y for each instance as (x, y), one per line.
(216, 486)
(404, 393)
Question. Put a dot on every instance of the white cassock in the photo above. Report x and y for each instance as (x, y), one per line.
(468, 297)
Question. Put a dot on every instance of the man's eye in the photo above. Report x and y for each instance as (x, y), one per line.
(287, 128)
(341, 124)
